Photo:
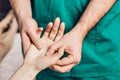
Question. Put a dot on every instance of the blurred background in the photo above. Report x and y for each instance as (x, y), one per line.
(10, 42)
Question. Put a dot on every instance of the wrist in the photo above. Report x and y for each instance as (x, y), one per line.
(21, 15)
(30, 70)
(22, 19)
(81, 30)
(24, 73)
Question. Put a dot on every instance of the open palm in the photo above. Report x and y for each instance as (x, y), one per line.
(37, 58)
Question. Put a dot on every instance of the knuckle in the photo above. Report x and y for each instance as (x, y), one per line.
(77, 60)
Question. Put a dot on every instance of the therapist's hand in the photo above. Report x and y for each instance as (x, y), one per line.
(29, 35)
(73, 39)
(73, 45)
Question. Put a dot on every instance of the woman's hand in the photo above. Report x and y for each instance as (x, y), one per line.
(36, 58)
(8, 29)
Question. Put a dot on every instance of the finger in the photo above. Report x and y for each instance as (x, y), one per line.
(13, 26)
(57, 55)
(35, 39)
(25, 42)
(62, 69)
(54, 47)
(60, 32)
(54, 30)
(11, 29)
(66, 60)
(48, 29)
(39, 31)
(8, 17)
(6, 21)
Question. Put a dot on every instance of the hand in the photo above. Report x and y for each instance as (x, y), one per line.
(72, 45)
(36, 58)
(29, 36)
(8, 29)
(5, 22)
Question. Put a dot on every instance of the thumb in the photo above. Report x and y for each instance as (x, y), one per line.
(56, 56)
(35, 39)
(54, 47)
(60, 52)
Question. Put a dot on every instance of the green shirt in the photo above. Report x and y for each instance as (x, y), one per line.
(100, 49)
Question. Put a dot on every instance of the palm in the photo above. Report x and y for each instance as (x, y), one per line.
(36, 57)
(46, 41)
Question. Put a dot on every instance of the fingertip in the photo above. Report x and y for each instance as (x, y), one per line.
(61, 51)
(57, 18)
(63, 23)
(57, 21)
(50, 24)
(41, 28)
(62, 26)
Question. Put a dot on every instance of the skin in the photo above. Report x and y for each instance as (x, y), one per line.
(35, 59)
(27, 25)
(95, 10)
(7, 36)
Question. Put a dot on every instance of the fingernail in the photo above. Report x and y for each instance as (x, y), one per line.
(41, 28)
(50, 22)
(57, 18)
(63, 23)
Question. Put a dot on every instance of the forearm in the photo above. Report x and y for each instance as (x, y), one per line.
(24, 73)
(22, 9)
(95, 10)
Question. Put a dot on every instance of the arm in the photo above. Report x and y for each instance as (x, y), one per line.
(93, 13)
(29, 71)
(22, 9)
(27, 24)
(24, 73)
(95, 10)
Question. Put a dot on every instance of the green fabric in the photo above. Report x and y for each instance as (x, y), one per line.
(101, 49)
(45, 76)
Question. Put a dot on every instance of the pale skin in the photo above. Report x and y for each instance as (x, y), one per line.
(36, 60)
(95, 10)
(8, 29)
